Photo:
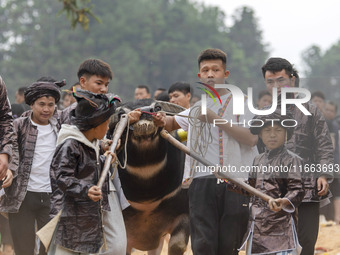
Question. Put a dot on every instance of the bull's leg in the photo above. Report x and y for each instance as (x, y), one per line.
(180, 236)
(159, 248)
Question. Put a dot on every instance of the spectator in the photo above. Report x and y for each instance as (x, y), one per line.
(164, 96)
(318, 99)
(180, 94)
(264, 99)
(20, 107)
(157, 92)
(312, 142)
(142, 92)
(330, 111)
(27, 199)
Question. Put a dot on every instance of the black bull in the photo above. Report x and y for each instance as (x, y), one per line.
(151, 183)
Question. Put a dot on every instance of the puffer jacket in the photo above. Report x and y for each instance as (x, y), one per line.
(312, 142)
(273, 231)
(75, 168)
(6, 122)
(24, 139)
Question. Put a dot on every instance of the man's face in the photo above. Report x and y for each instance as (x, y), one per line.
(179, 98)
(95, 84)
(273, 136)
(319, 102)
(278, 80)
(141, 93)
(19, 99)
(43, 109)
(329, 112)
(212, 72)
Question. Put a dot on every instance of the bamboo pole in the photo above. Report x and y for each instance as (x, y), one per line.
(205, 162)
(116, 136)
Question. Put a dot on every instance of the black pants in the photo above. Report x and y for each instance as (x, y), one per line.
(5, 232)
(218, 218)
(308, 226)
(34, 209)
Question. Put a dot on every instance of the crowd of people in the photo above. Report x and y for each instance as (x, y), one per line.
(52, 156)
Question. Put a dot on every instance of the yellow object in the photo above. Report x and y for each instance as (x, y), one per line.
(182, 135)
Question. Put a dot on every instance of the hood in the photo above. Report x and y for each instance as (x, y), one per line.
(72, 132)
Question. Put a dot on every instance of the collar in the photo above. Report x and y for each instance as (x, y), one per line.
(275, 152)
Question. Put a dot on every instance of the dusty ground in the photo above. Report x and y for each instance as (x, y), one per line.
(328, 241)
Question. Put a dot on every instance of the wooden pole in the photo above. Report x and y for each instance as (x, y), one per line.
(116, 136)
(205, 162)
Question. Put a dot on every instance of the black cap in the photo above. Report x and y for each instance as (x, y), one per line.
(43, 89)
(92, 109)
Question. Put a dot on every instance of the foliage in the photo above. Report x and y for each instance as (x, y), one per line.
(78, 12)
(247, 36)
(323, 70)
(145, 42)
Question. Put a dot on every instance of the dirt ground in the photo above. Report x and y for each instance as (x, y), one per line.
(328, 242)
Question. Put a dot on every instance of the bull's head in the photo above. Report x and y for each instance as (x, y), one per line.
(144, 141)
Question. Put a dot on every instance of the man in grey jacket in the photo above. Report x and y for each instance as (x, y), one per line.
(311, 141)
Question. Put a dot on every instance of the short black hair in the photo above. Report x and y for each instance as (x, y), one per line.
(181, 86)
(275, 65)
(144, 87)
(212, 54)
(95, 67)
(318, 94)
(21, 90)
(164, 96)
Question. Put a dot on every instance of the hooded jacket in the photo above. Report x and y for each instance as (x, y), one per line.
(75, 168)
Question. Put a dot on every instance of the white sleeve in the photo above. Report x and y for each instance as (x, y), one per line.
(183, 122)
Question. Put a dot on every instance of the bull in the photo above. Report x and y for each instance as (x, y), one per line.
(151, 182)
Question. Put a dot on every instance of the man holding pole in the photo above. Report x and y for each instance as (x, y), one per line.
(218, 218)
(77, 165)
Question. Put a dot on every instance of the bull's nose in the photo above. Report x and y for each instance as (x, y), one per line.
(144, 128)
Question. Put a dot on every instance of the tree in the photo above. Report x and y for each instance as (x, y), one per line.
(79, 12)
(253, 53)
(145, 42)
(322, 71)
